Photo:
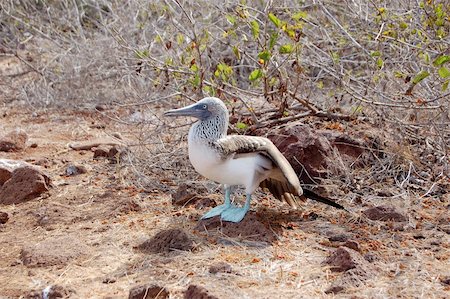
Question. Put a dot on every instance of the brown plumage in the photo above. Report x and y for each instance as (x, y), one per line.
(281, 180)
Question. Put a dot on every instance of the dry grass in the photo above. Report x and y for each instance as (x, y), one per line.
(129, 61)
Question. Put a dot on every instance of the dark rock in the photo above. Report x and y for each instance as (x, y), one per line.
(183, 195)
(250, 228)
(370, 257)
(166, 241)
(198, 292)
(109, 280)
(338, 238)
(75, 170)
(34, 145)
(303, 148)
(5, 175)
(351, 244)
(100, 107)
(7, 167)
(25, 184)
(340, 261)
(4, 217)
(101, 152)
(220, 267)
(384, 213)
(13, 141)
(188, 195)
(334, 290)
(113, 153)
(148, 292)
(445, 280)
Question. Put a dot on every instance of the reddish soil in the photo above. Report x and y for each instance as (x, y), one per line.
(93, 234)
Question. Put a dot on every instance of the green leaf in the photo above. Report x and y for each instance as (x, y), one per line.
(380, 62)
(255, 75)
(420, 76)
(180, 38)
(231, 19)
(237, 52)
(273, 18)
(264, 55)
(194, 68)
(286, 49)
(444, 72)
(399, 74)
(273, 40)
(300, 15)
(445, 85)
(335, 56)
(241, 126)
(375, 53)
(255, 28)
(142, 54)
(441, 60)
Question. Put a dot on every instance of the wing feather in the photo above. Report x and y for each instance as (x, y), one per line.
(283, 182)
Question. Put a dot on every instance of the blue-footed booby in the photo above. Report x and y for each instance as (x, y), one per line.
(231, 160)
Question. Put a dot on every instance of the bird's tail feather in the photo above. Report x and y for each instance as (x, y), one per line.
(314, 196)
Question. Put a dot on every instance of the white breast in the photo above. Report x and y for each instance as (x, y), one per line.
(246, 170)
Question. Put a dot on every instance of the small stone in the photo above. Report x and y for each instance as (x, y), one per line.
(384, 213)
(34, 145)
(13, 141)
(75, 170)
(370, 257)
(340, 261)
(351, 244)
(182, 196)
(4, 217)
(109, 280)
(100, 107)
(220, 267)
(187, 195)
(25, 184)
(101, 151)
(198, 292)
(148, 292)
(445, 280)
(334, 290)
(338, 238)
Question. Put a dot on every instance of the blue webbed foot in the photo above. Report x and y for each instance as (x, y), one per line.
(234, 214)
(215, 211)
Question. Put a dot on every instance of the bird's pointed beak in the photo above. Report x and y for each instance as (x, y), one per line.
(193, 110)
(185, 111)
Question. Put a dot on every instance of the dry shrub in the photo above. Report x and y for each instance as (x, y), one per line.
(384, 63)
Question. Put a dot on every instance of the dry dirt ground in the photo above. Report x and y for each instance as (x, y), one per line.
(92, 235)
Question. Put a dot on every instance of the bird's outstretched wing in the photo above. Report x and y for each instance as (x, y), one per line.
(283, 182)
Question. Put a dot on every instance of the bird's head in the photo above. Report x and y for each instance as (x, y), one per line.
(203, 109)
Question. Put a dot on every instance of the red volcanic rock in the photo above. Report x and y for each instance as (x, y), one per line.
(13, 141)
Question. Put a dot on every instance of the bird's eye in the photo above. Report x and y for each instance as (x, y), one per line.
(205, 107)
